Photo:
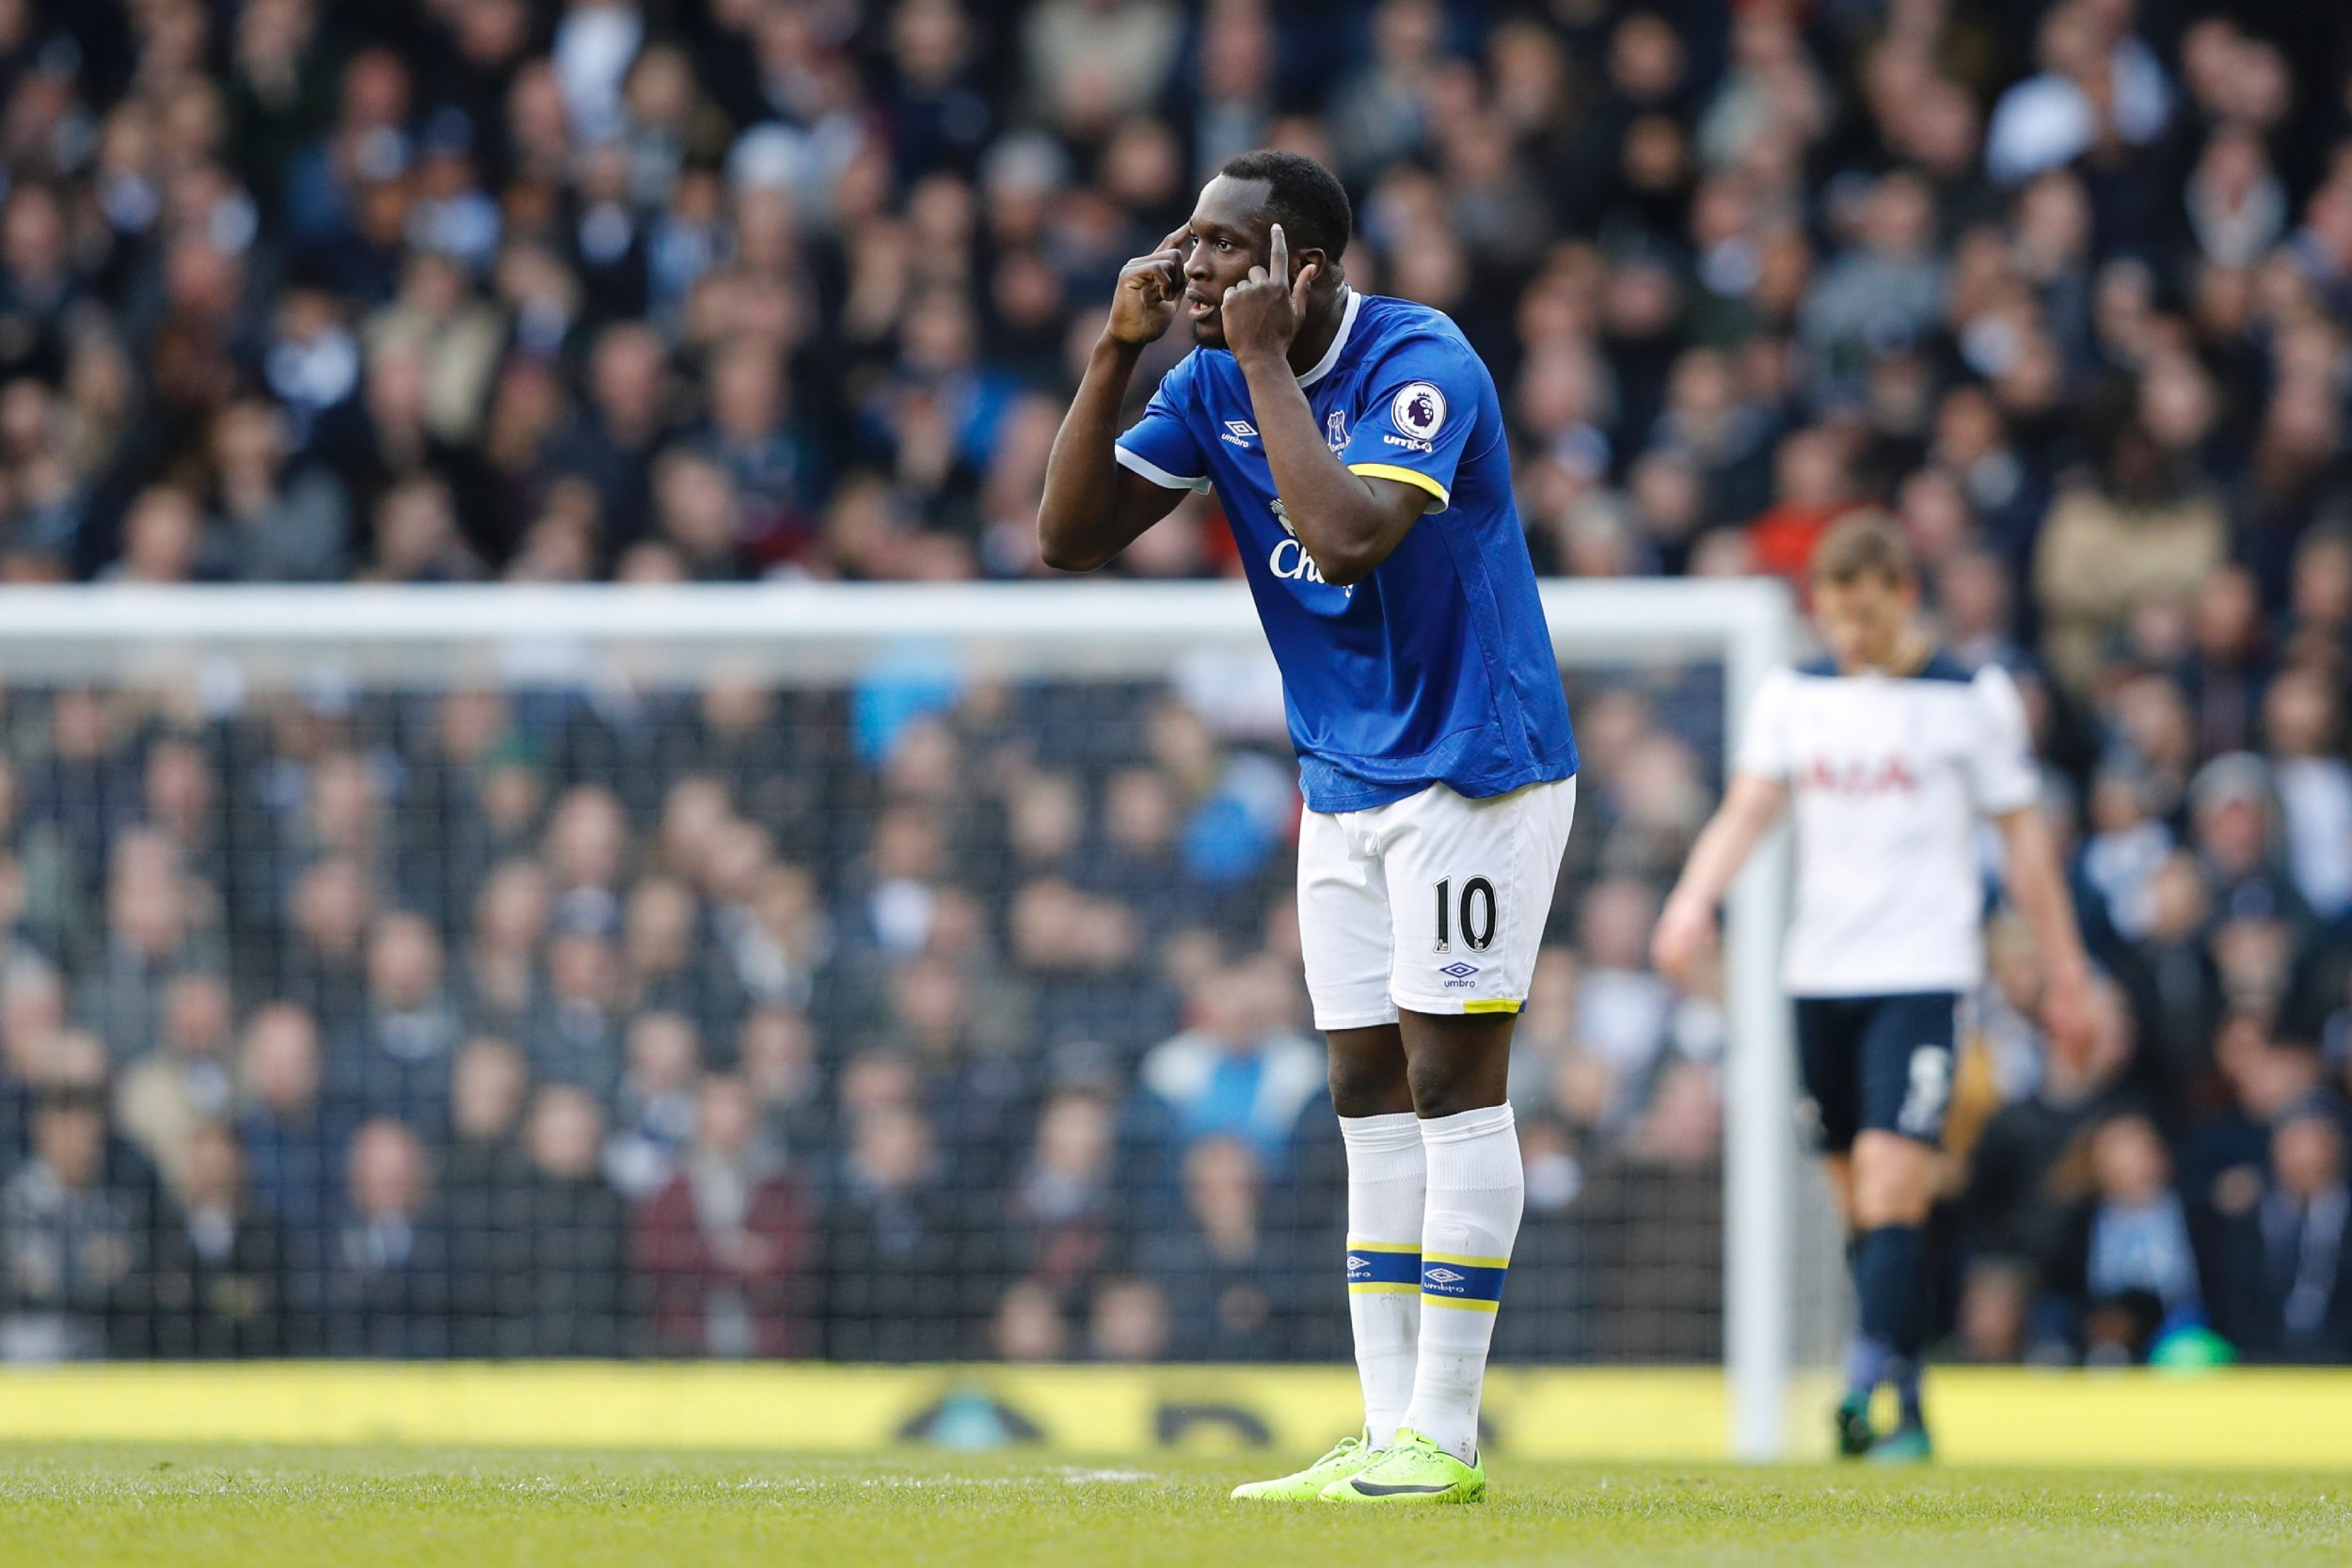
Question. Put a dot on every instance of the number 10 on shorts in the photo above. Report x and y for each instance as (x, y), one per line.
(1477, 915)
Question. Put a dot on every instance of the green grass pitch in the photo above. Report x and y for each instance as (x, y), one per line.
(187, 1507)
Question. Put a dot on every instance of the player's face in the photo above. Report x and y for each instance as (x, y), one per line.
(1230, 235)
(1864, 621)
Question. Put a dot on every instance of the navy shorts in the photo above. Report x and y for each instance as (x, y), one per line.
(1877, 1064)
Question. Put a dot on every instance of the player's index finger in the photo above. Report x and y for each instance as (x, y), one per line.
(1175, 239)
(1279, 262)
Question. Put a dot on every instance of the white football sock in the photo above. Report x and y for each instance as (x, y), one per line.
(1476, 1192)
(1385, 1179)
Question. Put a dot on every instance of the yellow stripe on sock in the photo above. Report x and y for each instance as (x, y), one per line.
(1355, 1245)
(1467, 1262)
(1382, 1286)
(1492, 1005)
(1430, 1298)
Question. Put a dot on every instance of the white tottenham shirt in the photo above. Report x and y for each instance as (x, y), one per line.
(1888, 778)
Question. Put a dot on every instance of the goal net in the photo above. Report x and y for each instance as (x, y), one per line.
(876, 973)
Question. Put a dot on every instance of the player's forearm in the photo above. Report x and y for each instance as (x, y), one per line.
(1077, 519)
(1751, 803)
(1722, 848)
(1337, 516)
(2037, 888)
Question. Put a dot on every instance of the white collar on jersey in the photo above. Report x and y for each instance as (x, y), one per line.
(1339, 341)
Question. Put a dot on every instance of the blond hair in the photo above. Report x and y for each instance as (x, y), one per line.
(1864, 543)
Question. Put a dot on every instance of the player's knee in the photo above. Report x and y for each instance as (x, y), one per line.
(1368, 1084)
(1442, 1087)
(1892, 1180)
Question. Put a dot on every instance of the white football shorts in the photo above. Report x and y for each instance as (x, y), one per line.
(1434, 904)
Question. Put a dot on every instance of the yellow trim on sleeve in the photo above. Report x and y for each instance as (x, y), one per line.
(1492, 1005)
(1404, 476)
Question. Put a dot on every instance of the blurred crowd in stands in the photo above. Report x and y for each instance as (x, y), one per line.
(736, 1023)
(733, 1021)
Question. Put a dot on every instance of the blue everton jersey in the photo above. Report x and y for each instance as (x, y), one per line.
(1436, 669)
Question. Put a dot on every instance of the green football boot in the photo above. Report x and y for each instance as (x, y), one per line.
(1410, 1470)
(1347, 1456)
(1855, 1435)
(1907, 1444)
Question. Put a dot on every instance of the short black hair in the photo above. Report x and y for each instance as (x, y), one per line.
(1306, 198)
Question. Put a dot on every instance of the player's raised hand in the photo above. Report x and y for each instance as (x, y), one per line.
(1150, 288)
(1265, 313)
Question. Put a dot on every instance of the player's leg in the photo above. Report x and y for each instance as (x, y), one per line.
(1387, 1180)
(1829, 1064)
(1471, 884)
(1344, 941)
(1460, 1068)
(1906, 1056)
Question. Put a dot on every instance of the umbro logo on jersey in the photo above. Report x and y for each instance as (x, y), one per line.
(1240, 431)
(1443, 1276)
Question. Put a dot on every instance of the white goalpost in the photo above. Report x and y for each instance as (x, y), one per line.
(213, 645)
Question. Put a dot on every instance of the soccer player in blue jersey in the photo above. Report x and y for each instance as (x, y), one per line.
(1357, 446)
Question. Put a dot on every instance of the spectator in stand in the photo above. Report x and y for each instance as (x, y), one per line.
(567, 1275)
(395, 1061)
(1234, 1289)
(669, 966)
(499, 982)
(723, 1246)
(484, 1171)
(2140, 1262)
(291, 1140)
(2145, 531)
(151, 938)
(73, 1240)
(221, 1267)
(273, 522)
(2302, 719)
(657, 1109)
(776, 1053)
(32, 1017)
(321, 963)
(162, 1101)
(389, 1280)
(1242, 1072)
(1067, 1202)
(2286, 1268)
(902, 1274)
(976, 1090)
(574, 1035)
